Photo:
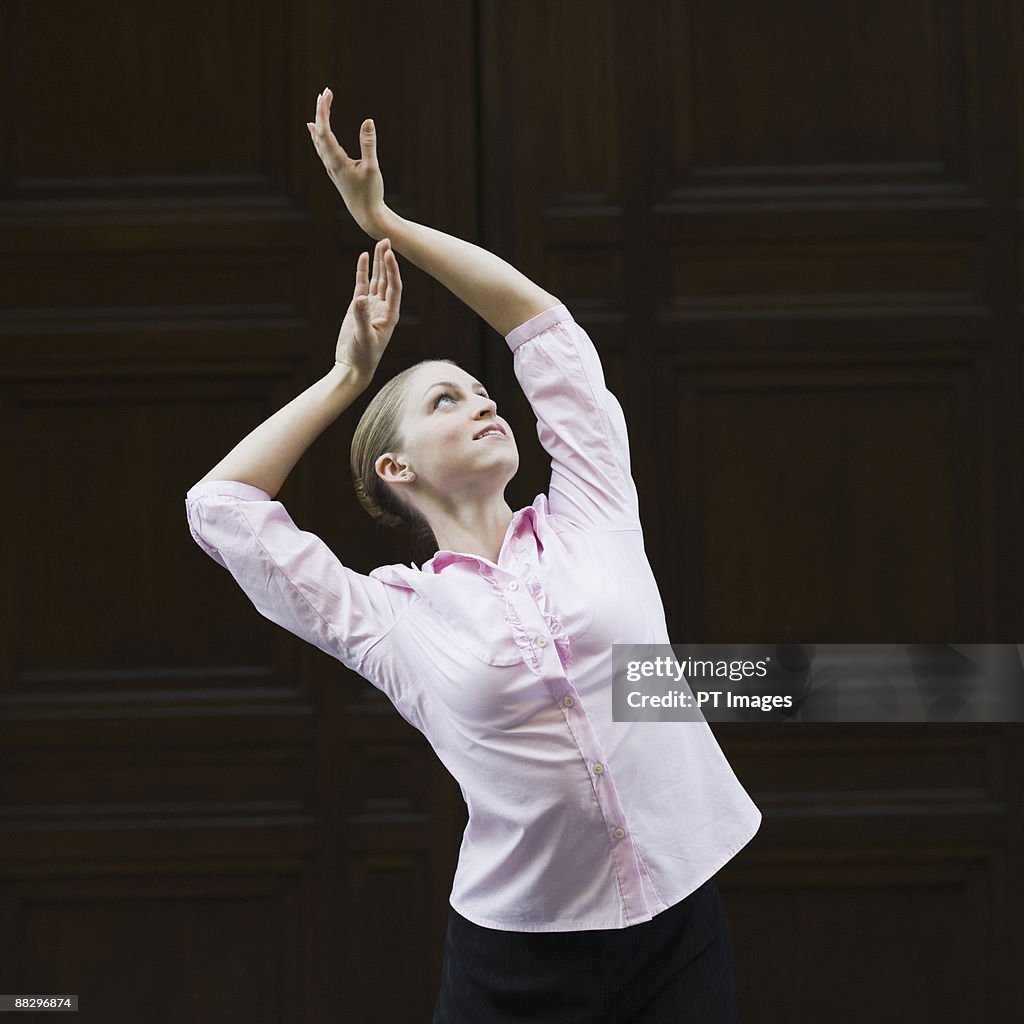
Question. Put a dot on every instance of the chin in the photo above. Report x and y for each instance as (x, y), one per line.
(503, 475)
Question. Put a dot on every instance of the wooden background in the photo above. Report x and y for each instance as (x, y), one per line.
(795, 232)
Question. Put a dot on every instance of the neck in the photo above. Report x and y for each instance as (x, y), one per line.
(475, 528)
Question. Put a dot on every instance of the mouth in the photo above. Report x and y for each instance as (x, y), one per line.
(493, 430)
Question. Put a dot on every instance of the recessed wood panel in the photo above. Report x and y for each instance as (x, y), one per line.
(568, 125)
(558, 145)
(150, 948)
(828, 507)
(385, 922)
(903, 939)
(119, 584)
(812, 98)
(423, 106)
(192, 101)
(802, 524)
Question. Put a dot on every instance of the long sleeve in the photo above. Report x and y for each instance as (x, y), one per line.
(292, 577)
(579, 422)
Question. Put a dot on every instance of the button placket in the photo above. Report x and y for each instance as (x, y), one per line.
(544, 631)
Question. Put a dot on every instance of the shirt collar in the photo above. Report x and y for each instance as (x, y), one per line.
(524, 519)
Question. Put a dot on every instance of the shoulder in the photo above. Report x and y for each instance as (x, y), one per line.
(405, 577)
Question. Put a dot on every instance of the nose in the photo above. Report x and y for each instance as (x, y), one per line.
(488, 407)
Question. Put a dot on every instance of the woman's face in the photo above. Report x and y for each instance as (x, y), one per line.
(455, 441)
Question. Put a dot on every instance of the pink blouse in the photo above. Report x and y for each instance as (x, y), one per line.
(575, 821)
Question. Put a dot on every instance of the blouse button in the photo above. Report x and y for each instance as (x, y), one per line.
(618, 832)
(542, 641)
(513, 585)
(567, 702)
(598, 768)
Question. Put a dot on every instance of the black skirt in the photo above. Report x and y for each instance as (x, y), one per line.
(672, 969)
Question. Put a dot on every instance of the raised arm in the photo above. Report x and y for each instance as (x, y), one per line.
(494, 289)
(266, 456)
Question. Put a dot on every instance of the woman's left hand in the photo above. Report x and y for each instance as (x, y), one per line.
(372, 314)
(359, 181)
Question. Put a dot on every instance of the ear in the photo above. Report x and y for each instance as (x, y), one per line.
(392, 469)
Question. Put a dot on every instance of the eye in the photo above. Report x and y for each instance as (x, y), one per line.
(444, 394)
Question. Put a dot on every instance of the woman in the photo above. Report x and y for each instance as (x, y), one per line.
(584, 889)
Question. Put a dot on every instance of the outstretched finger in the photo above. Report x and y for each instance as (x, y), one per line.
(394, 291)
(362, 277)
(324, 137)
(377, 281)
(385, 266)
(361, 295)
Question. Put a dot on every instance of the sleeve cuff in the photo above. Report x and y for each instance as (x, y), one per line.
(247, 492)
(537, 325)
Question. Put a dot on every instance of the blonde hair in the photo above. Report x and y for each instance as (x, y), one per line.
(378, 432)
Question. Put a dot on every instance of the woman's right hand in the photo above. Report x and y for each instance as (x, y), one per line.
(372, 314)
(359, 181)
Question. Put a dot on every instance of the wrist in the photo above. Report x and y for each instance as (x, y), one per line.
(377, 223)
(346, 377)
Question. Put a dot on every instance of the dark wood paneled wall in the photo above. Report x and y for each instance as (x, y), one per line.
(795, 232)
